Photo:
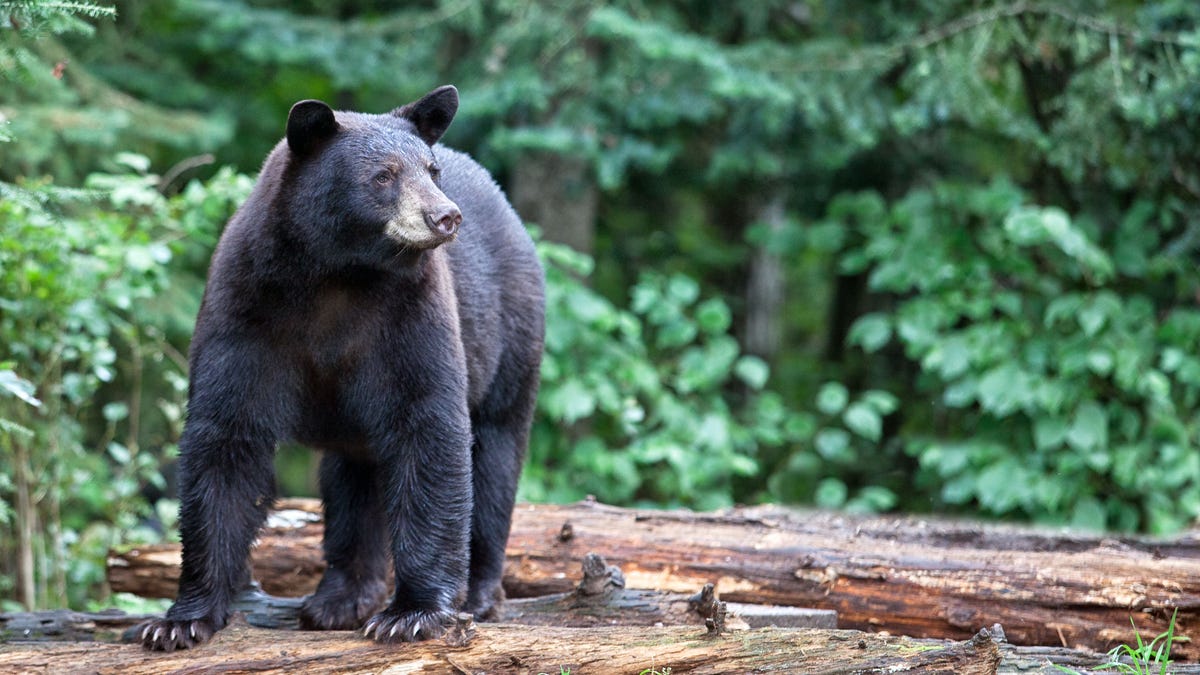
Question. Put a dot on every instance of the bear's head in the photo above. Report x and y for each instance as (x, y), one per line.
(366, 186)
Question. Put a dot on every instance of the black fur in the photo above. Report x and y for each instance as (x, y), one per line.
(409, 354)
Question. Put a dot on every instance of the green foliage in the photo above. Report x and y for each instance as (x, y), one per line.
(1062, 393)
(840, 452)
(1150, 658)
(634, 403)
(88, 286)
(32, 19)
(60, 119)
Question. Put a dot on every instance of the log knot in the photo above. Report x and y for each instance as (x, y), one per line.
(702, 602)
(599, 577)
(988, 635)
(716, 623)
(714, 611)
(461, 632)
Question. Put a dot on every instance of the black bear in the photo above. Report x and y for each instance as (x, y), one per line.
(345, 311)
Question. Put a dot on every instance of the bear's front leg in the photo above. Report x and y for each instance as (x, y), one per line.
(226, 482)
(425, 472)
(226, 486)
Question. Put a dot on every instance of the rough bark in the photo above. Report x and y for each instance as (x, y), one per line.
(517, 649)
(908, 576)
(262, 650)
(765, 286)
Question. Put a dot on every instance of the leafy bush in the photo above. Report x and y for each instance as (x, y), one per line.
(95, 299)
(1050, 383)
(637, 405)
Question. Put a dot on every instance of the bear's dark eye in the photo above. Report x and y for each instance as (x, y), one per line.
(434, 171)
(383, 177)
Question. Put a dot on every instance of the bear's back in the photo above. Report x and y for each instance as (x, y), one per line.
(497, 277)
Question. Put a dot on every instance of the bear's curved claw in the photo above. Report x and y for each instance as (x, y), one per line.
(167, 635)
(408, 626)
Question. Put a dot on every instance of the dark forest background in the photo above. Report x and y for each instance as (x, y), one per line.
(929, 256)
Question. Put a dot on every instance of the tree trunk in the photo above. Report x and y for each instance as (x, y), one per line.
(26, 521)
(910, 576)
(557, 194)
(765, 285)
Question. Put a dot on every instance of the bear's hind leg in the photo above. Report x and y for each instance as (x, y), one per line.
(501, 431)
(353, 586)
(497, 458)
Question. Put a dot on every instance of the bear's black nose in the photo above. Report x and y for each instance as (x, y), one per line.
(444, 220)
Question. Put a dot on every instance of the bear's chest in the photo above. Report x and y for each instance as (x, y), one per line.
(341, 331)
(337, 340)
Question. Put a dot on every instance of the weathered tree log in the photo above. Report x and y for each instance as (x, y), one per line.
(517, 649)
(506, 649)
(909, 576)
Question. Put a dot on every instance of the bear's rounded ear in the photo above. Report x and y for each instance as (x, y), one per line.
(309, 124)
(432, 114)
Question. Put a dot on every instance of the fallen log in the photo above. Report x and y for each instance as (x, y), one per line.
(517, 649)
(912, 576)
(246, 648)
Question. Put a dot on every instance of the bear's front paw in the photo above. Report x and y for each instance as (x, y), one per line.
(167, 635)
(392, 625)
(345, 609)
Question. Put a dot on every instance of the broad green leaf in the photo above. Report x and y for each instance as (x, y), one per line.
(1049, 432)
(115, 411)
(1092, 317)
(753, 371)
(571, 401)
(962, 393)
(864, 421)
(1003, 390)
(831, 493)
(873, 499)
(1089, 428)
(1089, 514)
(832, 398)
(1100, 362)
(1025, 226)
(683, 289)
(713, 316)
(1003, 487)
(871, 332)
(119, 453)
(950, 358)
(833, 444)
(882, 402)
